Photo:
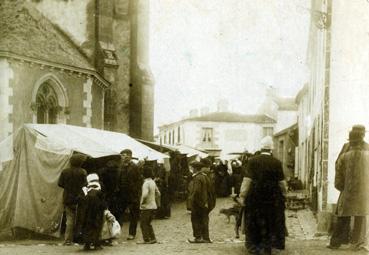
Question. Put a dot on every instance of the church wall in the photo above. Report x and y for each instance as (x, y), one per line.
(6, 92)
(121, 39)
(97, 118)
(26, 78)
(117, 24)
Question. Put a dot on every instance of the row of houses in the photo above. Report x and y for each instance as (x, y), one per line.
(310, 132)
(224, 132)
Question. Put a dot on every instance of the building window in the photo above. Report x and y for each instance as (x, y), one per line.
(207, 136)
(47, 105)
(267, 131)
(170, 137)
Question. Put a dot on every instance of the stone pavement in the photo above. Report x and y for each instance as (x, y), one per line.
(174, 232)
(302, 225)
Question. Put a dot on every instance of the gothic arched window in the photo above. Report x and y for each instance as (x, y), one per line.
(47, 104)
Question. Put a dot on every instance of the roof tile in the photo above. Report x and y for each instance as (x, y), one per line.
(25, 31)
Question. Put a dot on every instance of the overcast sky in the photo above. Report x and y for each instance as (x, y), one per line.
(205, 50)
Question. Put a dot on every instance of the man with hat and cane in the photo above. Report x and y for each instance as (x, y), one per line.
(352, 180)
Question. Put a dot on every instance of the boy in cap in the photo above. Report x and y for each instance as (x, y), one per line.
(201, 202)
(150, 194)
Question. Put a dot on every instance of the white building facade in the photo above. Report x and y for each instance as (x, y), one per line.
(221, 132)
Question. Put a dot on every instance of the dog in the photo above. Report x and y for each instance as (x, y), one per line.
(236, 212)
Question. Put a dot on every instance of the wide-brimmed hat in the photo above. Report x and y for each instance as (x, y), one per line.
(355, 136)
(359, 128)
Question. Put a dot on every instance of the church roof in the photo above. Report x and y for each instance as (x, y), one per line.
(26, 32)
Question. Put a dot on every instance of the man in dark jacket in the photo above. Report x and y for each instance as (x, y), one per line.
(263, 188)
(201, 202)
(130, 191)
(109, 179)
(72, 180)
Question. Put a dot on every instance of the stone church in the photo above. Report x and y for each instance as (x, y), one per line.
(78, 62)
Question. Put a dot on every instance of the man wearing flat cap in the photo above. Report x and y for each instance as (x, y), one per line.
(131, 181)
(262, 192)
(352, 180)
(201, 202)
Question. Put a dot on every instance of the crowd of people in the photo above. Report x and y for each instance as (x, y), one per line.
(90, 200)
(96, 203)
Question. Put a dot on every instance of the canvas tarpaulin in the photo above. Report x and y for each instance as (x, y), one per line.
(29, 195)
(95, 142)
(31, 162)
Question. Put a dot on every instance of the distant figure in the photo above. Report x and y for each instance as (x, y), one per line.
(352, 180)
(222, 180)
(201, 201)
(263, 189)
(129, 192)
(237, 176)
(94, 207)
(72, 180)
(148, 206)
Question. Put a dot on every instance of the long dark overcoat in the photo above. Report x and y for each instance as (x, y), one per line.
(352, 179)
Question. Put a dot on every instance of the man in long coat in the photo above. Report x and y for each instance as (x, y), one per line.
(352, 180)
(342, 235)
(263, 189)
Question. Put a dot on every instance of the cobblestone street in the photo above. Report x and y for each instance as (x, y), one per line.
(173, 233)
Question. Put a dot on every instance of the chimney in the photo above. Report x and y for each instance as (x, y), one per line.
(222, 105)
(194, 113)
(204, 111)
